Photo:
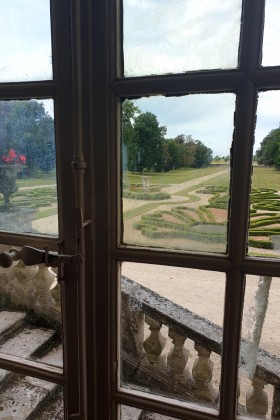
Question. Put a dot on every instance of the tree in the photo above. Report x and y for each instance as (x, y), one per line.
(27, 128)
(203, 155)
(129, 146)
(149, 139)
(269, 152)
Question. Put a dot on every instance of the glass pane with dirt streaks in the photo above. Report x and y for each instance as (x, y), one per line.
(264, 228)
(259, 372)
(25, 397)
(271, 39)
(171, 332)
(25, 48)
(133, 413)
(174, 36)
(30, 313)
(28, 186)
(176, 171)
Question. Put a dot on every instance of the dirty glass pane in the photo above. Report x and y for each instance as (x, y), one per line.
(260, 348)
(178, 36)
(25, 397)
(271, 53)
(176, 171)
(171, 331)
(264, 230)
(28, 188)
(133, 413)
(25, 34)
(30, 312)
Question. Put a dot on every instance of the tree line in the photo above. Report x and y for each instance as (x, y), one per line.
(27, 129)
(145, 146)
(269, 152)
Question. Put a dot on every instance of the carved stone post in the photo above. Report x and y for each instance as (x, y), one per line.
(55, 290)
(256, 400)
(132, 324)
(275, 414)
(178, 356)
(22, 282)
(202, 374)
(155, 343)
(42, 282)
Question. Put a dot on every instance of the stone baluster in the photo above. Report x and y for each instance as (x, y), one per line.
(55, 290)
(42, 282)
(132, 324)
(155, 343)
(275, 414)
(22, 283)
(178, 356)
(202, 373)
(256, 399)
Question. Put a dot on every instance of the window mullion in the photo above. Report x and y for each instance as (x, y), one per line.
(251, 35)
(206, 81)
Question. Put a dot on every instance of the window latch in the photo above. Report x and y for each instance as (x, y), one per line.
(34, 256)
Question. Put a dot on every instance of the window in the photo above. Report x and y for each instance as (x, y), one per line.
(145, 66)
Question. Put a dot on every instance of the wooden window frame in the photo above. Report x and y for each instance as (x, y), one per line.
(107, 88)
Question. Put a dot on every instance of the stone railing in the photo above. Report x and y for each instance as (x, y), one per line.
(158, 359)
(148, 362)
(32, 288)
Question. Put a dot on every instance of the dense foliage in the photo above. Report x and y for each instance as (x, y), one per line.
(146, 148)
(269, 152)
(28, 129)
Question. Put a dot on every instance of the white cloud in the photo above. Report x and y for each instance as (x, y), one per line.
(25, 47)
(177, 35)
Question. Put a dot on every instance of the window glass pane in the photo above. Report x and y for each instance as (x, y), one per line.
(25, 397)
(30, 313)
(175, 162)
(133, 413)
(260, 348)
(178, 36)
(25, 47)
(264, 231)
(171, 334)
(271, 53)
(28, 200)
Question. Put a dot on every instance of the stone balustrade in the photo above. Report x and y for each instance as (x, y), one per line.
(155, 360)
(171, 372)
(33, 287)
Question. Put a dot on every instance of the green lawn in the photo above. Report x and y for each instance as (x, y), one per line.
(176, 177)
(47, 179)
(266, 178)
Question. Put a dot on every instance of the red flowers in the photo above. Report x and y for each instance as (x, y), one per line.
(12, 158)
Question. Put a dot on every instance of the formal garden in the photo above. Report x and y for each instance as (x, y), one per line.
(200, 211)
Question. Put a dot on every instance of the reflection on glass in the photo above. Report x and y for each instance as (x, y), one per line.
(175, 162)
(30, 313)
(133, 413)
(271, 54)
(25, 397)
(177, 36)
(171, 331)
(28, 193)
(260, 355)
(25, 47)
(264, 231)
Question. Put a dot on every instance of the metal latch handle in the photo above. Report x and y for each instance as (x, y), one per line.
(33, 256)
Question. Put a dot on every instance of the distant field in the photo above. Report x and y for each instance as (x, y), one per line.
(48, 179)
(175, 177)
(266, 178)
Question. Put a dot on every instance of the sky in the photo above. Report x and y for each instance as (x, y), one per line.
(160, 37)
(181, 35)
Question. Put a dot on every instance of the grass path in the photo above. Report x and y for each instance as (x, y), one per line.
(175, 188)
